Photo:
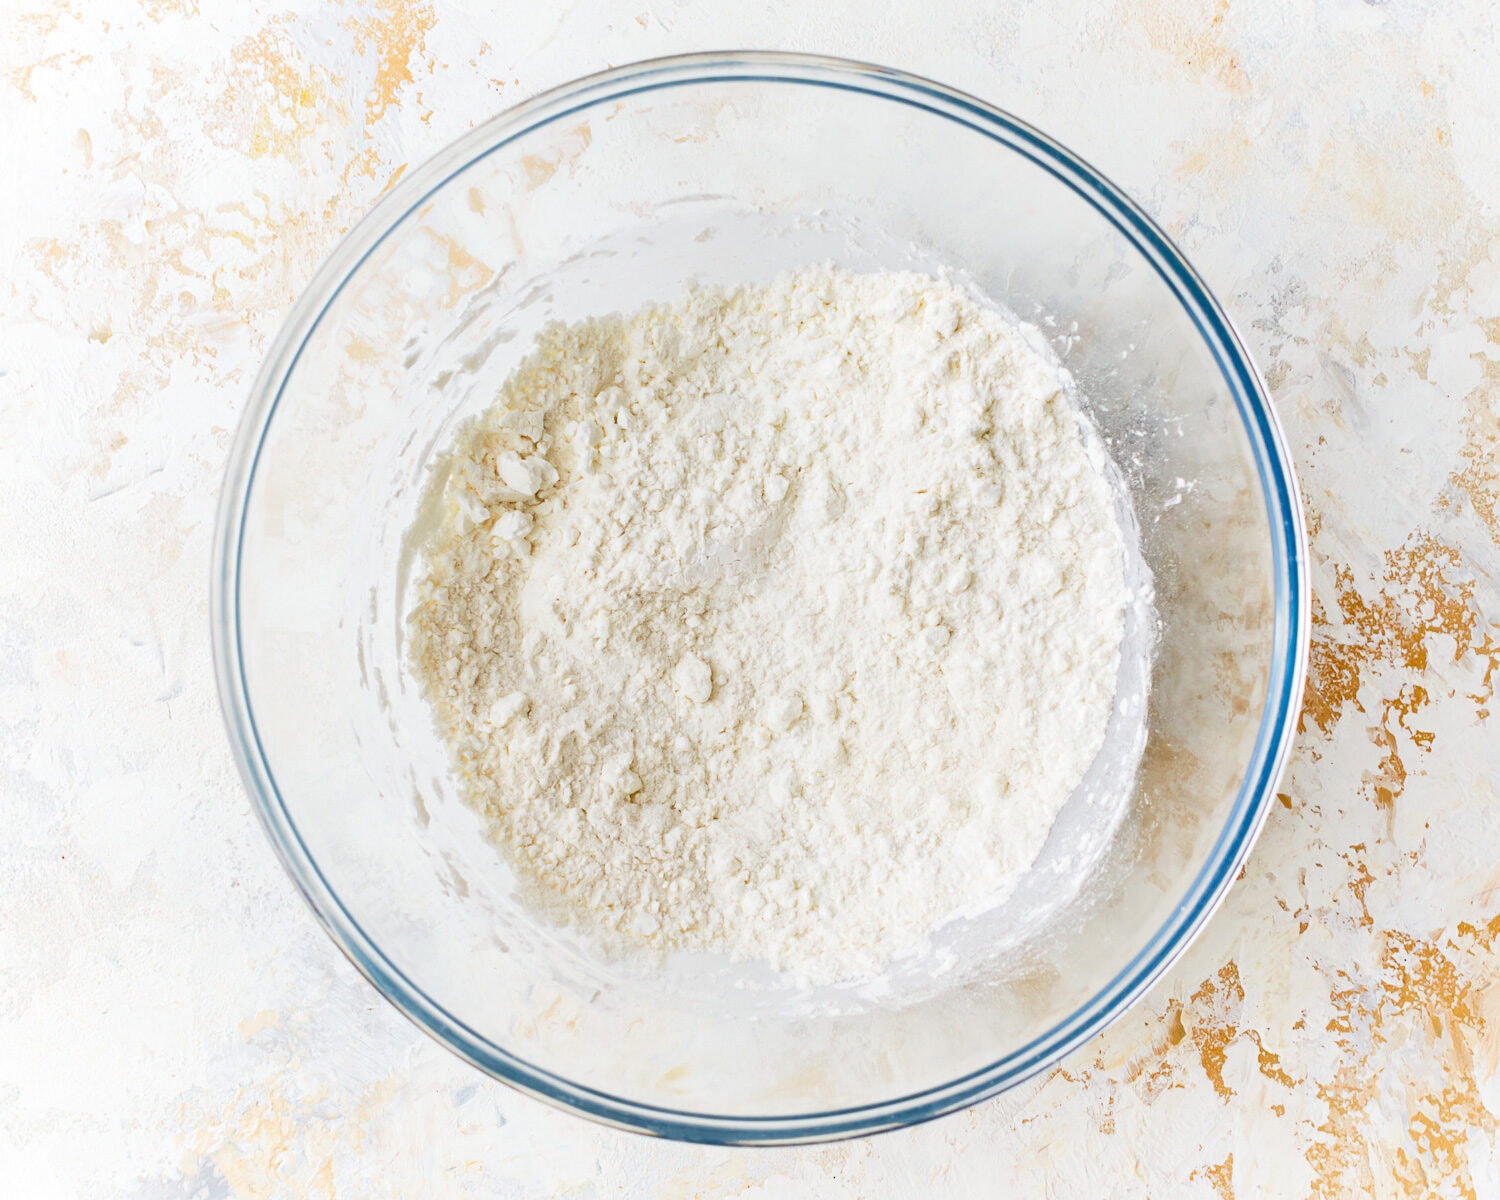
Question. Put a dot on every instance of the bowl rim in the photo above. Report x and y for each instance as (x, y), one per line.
(1279, 491)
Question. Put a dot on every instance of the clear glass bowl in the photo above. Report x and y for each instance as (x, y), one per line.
(602, 195)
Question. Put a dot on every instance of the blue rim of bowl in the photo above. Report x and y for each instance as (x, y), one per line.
(1284, 512)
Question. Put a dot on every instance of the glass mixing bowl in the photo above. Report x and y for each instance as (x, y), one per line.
(600, 196)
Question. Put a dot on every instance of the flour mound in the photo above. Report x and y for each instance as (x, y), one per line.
(778, 622)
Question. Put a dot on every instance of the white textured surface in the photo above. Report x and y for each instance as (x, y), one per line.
(172, 1022)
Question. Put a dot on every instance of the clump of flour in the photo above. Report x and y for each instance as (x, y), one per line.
(778, 621)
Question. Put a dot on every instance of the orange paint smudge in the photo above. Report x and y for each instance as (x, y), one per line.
(1478, 480)
(1425, 591)
(1213, 1037)
(391, 182)
(1388, 780)
(1194, 39)
(1417, 976)
(1207, 1026)
(1425, 991)
(396, 33)
(1221, 1176)
(539, 168)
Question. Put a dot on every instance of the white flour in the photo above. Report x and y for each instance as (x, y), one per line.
(778, 622)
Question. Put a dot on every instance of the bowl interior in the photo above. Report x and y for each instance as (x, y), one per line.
(619, 191)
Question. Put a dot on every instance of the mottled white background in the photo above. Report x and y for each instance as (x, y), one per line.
(173, 1025)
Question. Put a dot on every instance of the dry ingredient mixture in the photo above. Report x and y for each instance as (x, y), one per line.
(778, 621)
